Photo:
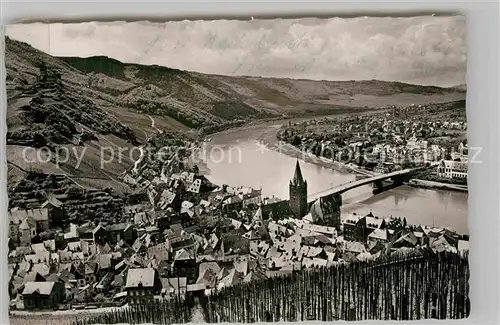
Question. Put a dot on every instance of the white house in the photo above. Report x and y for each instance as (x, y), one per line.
(452, 169)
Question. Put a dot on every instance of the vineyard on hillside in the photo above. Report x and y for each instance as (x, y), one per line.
(402, 287)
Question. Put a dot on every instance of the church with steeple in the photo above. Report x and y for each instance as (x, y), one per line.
(322, 211)
(298, 193)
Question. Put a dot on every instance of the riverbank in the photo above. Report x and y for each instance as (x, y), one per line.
(294, 152)
(270, 128)
(436, 185)
(282, 120)
(268, 136)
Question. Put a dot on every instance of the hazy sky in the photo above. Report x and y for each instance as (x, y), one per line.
(426, 50)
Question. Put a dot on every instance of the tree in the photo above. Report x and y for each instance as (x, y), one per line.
(40, 194)
(39, 140)
(395, 223)
(100, 298)
(296, 141)
(75, 191)
(47, 235)
(42, 67)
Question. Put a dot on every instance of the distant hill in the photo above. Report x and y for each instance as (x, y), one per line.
(102, 102)
(462, 87)
(258, 96)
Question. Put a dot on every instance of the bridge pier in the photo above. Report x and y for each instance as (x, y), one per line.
(381, 185)
(378, 187)
(406, 178)
(397, 181)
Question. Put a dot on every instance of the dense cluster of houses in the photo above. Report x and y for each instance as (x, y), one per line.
(143, 261)
(382, 143)
(25, 224)
(181, 235)
(382, 234)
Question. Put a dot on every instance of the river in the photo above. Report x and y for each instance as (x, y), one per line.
(238, 158)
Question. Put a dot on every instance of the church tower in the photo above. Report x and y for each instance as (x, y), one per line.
(298, 193)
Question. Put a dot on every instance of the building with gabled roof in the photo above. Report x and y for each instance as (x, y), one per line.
(358, 228)
(381, 235)
(174, 287)
(185, 264)
(330, 232)
(42, 295)
(234, 277)
(406, 240)
(55, 210)
(142, 284)
(254, 276)
(452, 169)
(195, 186)
(207, 277)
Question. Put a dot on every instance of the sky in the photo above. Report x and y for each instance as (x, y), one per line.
(420, 50)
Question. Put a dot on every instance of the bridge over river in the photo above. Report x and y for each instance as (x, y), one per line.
(398, 177)
(331, 199)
